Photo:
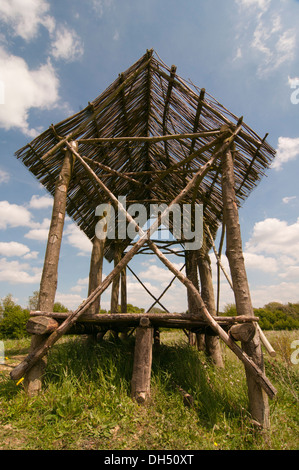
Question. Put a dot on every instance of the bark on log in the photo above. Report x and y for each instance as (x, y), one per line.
(123, 317)
(96, 271)
(49, 276)
(48, 285)
(243, 332)
(41, 325)
(141, 377)
(191, 273)
(213, 348)
(258, 401)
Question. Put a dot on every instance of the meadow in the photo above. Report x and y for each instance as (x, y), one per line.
(86, 405)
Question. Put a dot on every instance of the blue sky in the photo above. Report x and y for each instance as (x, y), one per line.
(55, 56)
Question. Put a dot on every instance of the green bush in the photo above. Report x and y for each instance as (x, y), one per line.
(13, 319)
(273, 316)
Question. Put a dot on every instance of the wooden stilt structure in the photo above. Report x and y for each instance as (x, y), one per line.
(121, 146)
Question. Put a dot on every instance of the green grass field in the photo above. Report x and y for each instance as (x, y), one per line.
(86, 404)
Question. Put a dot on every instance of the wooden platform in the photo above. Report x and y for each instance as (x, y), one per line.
(42, 322)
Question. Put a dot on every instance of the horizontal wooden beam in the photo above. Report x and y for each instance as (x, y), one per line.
(123, 317)
(149, 139)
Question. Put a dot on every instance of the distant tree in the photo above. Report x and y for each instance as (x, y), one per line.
(273, 316)
(14, 319)
(157, 310)
(59, 307)
(230, 310)
(130, 309)
(33, 303)
(133, 309)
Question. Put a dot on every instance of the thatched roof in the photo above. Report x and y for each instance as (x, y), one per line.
(148, 99)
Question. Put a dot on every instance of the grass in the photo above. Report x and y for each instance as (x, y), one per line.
(86, 404)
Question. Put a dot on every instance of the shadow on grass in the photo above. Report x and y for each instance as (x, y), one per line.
(108, 366)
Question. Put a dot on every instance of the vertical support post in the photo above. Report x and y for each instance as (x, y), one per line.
(48, 284)
(123, 290)
(96, 271)
(213, 348)
(123, 296)
(115, 286)
(141, 377)
(258, 400)
(191, 273)
(115, 283)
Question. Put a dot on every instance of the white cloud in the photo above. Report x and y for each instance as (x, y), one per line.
(81, 284)
(260, 4)
(116, 36)
(13, 249)
(282, 292)
(263, 263)
(40, 202)
(31, 255)
(12, 215)
(25, 89)
(66, 44)
(39, 231)
(15, 272)
(263, 26)
(276, 46)
(4, 177)
(70, 301)
(78, 239)
(276, 237)
(26, 16)
(288, 149)
(288, 199)
(158, 273)
(99, 6)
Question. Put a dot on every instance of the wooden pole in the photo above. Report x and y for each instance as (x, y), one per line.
(48, 285)
(191, 273)
(263, 338)
(96, 271)
(123, 297)
(150, 139)
(258, 401)
(212, 343)
(115, 285)
(115, 282)
(141, 377)
(49, 276)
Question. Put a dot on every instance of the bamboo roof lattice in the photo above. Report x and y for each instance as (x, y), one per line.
(144, 137)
